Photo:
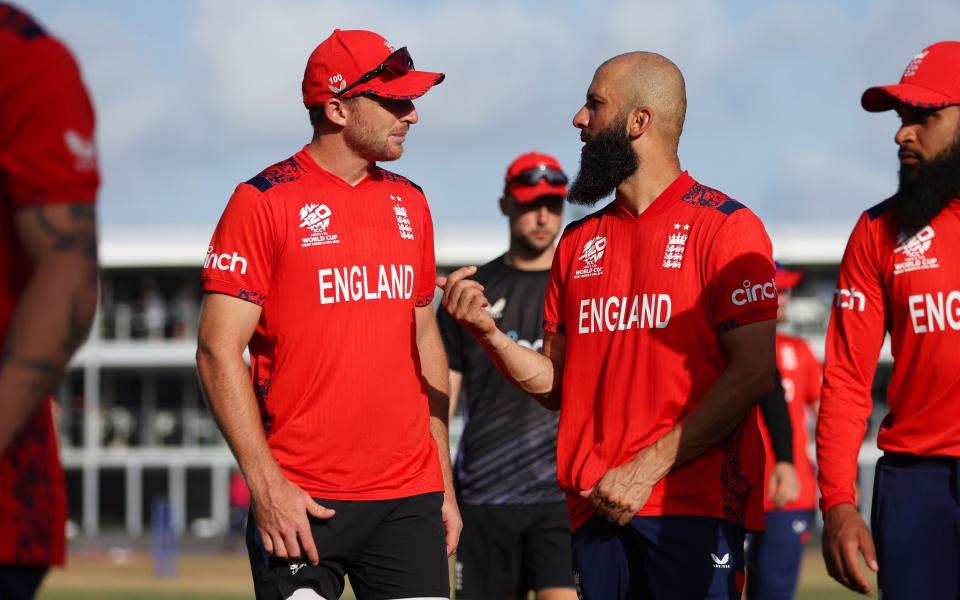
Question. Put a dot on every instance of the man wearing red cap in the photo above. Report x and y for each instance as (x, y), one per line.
(48, 284)
(515, 528)
(775, 555)
(900, 274)
(323, 265)
(659, 328)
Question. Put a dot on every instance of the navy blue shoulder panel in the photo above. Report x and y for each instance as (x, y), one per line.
(703, 196)
(282, 172)
(19, 22)
(874, 212)
(386, 175)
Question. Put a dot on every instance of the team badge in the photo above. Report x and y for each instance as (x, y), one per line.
(316, 219)
(404, 226)
(676, 244)
(590, 257)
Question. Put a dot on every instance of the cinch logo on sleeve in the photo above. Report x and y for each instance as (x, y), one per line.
(930, 313)
(754, 293)
(224, 262)
(352, 284)
(850, 299)
(620, 313)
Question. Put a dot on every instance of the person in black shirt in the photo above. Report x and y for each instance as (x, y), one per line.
(516, 530)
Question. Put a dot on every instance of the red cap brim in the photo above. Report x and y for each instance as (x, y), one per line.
(408, 87)
(886, 97)
(529, 193)
(786, 280)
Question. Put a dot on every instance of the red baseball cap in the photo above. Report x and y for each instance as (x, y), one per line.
(346, 57)
(931, 80)
(532, 175)
(785, 279)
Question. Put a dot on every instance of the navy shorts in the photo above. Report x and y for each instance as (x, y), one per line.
(20, 582)
(774, 556)
(916, 526)
(389, 548)
(654, 558)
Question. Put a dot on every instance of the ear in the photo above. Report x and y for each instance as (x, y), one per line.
(336, 111)
(639, 122)
(505, 205)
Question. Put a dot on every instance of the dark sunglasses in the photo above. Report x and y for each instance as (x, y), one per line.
(397, 64)
(536, 175)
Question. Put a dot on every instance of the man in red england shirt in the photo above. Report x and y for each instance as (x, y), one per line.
(323, 264)
(775, 556)
(659, 339)
(48, 284)
(898, 276)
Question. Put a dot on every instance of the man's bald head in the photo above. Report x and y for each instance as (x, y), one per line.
(651, 80)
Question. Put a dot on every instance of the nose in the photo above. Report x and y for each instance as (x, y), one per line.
(542, 213)
(906, 134)
(581, 119)
(410, 116)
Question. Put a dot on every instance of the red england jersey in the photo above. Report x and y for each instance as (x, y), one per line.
(643, 301)
(801, 375)
(338, 271)
(47, 155)
(911, 289)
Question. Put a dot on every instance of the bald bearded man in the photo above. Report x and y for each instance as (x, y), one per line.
(659, 325)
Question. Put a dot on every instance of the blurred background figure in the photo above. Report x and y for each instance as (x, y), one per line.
(48, 284)
(775, 555)
(516, 532)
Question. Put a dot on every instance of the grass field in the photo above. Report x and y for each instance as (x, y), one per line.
(227, 577)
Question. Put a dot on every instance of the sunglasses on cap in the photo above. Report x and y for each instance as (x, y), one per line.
(536, 175)
(397, 64)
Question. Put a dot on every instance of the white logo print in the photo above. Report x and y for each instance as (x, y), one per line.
(496, 309)
(403, 222)
(754, 293)
(592, 253)
(914, 249)
(720, 563)
(850, 299)
(224, 262)
(83, 149)
(676, 244)
(911, 69)
(799, 526)
(316, 218)
(295, 567)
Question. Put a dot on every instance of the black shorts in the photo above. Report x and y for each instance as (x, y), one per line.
(20, 582)
(389, 548)
(508, 549)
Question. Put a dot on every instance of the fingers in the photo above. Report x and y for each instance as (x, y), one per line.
(305, 536)
(854, 578)
(869, 551)
(318, 511)
(291, 545)
(452, 279)
(266, 541)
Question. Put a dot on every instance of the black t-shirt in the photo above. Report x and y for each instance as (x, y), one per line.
(508, 452)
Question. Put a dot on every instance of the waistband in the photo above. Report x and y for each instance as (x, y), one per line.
(895, 459)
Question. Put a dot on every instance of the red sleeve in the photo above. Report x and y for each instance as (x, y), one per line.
(740, 273)
(47, 151)
(428, 268)
(854, 338)
(553, 320)
(243, 249)
(813, 373)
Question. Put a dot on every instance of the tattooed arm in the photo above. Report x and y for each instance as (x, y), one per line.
(55, 309)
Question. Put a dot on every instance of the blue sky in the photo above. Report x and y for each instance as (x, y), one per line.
(195, 96)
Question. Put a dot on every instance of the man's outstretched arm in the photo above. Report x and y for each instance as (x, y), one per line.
(539, 375)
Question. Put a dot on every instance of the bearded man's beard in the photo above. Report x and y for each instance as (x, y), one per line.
(925, 188)
(606, 160)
